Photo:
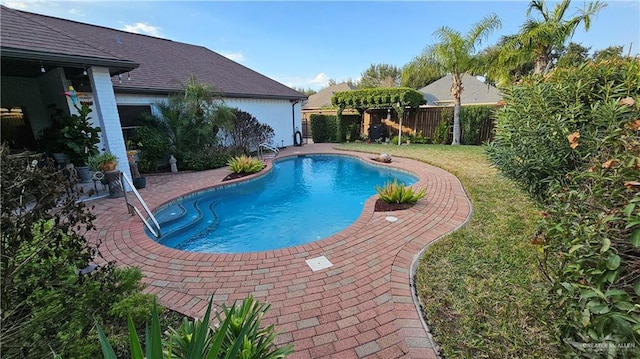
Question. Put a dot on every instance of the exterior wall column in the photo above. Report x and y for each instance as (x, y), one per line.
(107, 111)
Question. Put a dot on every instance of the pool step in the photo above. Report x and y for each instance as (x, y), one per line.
(175, 226)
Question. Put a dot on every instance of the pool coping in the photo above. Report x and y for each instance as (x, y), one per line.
(361, 307)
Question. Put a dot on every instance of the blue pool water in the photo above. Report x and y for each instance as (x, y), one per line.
(303, 199)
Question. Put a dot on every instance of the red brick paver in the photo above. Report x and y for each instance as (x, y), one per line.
(361, 307)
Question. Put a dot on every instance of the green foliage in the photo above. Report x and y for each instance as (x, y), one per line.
(245, 164)
(323, 128)
(378, 98)
(473, 119)
(246, 133)
(545, 34)
(204, 159)
(394, 192)
(572, 140)
(79, 139)
(155, 147)
(573, 55)
(420, 72)
(244, 328)
(97, 163)
(418, 138)
(380, 75)
(47, 304)
(238, 335)
(441, 133)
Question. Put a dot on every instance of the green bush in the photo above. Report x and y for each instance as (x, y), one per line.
(245, 164)
(473, 119)
(441, 135)
(47, 303)
(394, 192)
(571, 139)
(323, 128)
(203, 159)
(238, 335)
(154, 145)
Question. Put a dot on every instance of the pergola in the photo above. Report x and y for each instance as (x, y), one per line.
(397, 98)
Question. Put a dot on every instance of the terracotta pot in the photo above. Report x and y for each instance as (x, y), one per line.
(108, 166)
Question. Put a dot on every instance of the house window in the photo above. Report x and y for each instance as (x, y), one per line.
(132, 117)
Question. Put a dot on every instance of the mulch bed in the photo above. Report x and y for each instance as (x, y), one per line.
(382, 206)
(237, 175)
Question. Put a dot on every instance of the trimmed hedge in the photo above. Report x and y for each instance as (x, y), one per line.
(323, 128)
(378, 98)
(473, 119)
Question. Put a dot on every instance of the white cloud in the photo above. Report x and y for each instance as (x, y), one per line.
(234, 56)
(20, 5)
(316, 82)
(143, 28)
(76, 12)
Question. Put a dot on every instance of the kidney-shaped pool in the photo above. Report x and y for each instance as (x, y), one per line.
(301, 200)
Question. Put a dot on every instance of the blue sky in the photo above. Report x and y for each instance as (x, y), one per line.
(304, 43)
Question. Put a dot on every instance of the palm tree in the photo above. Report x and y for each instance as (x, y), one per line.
(540, 37)
(457, 54)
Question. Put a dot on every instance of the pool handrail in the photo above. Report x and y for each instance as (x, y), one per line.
(131, 206)
(267, 146)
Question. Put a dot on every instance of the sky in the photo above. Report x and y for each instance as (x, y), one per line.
(303, 44)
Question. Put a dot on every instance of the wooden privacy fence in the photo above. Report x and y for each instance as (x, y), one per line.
(475, 129)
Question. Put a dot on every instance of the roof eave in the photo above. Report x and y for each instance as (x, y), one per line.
(150, 91)
(115, 66)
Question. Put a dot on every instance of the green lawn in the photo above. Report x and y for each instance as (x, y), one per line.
(482, 293)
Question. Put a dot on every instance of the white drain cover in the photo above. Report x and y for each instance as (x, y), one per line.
(319, 263)
(391, 218)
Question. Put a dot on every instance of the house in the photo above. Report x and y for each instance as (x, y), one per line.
(121, 75)
(475, 92)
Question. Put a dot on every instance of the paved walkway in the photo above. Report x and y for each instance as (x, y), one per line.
(361, 307)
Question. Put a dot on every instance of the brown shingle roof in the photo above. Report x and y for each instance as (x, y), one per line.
(164, 64)
(323, 97)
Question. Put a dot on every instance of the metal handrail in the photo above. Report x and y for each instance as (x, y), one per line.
(275, 150)
(130, 206)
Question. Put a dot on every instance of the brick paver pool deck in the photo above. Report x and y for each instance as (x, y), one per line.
(361, 307)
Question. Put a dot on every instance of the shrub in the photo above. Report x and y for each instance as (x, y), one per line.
(247, 133)
(155, 148)
(441, 133)
(238, 335)
(203, 159)
(394, 192)
(571, 139)
(323, 128)
(47, 304)
(245, 164)
(473, 119)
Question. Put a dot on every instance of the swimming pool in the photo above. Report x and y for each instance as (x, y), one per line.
(301, 200)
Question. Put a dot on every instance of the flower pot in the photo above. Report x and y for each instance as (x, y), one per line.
(140, 182)
(61, 158)
(109, 166)
(84, 174)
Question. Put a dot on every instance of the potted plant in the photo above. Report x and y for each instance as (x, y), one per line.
(79, 139)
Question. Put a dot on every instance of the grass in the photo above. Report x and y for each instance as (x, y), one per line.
(482, 293)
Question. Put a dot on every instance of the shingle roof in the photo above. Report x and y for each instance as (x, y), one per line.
(474, 91)
(323, 97)
(164, 64)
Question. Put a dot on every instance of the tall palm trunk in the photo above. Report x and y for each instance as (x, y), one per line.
(456, 92)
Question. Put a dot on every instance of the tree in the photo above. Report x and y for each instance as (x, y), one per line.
(539, 38)
(573, 55)
(457, 54)
(420, 72)
(381, 75)
(305, 91)
(610, 53)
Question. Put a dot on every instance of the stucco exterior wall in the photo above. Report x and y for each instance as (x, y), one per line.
(275, 113)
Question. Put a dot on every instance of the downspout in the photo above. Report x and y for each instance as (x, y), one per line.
(293, 120)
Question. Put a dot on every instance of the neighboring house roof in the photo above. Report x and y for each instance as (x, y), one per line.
(164, 64)
(322, 99)
(474, 91)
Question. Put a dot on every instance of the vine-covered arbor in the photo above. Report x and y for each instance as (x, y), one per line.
(397, 98)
